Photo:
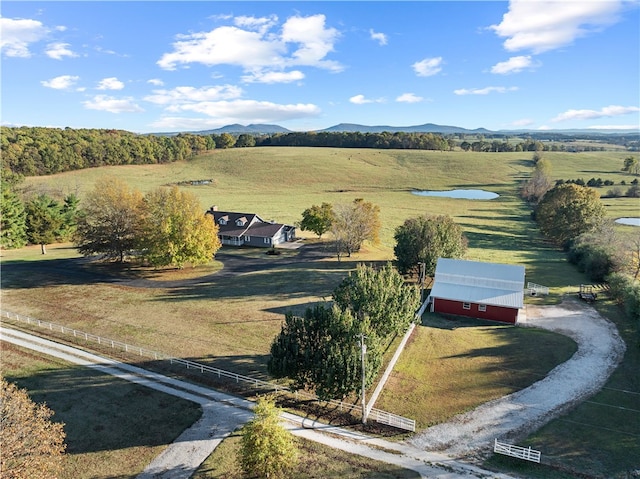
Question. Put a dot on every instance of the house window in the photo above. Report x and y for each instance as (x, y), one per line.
(247, 238)
(466, 305)
(222, 221)
(482, 307)
(267, 240)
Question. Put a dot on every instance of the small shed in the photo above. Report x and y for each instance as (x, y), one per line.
(477, 289)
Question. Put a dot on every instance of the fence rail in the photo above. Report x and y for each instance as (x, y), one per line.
(535, 289)
(525, 453)
(380, 416)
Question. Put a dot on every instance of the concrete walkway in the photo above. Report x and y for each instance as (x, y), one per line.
(223, 413)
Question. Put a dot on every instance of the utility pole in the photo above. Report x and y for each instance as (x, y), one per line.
(363, 352)
(421, 273)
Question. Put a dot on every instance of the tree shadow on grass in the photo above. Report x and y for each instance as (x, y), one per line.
(526, 355)
(104, 413)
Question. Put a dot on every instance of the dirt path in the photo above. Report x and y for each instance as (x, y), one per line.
(510, 418)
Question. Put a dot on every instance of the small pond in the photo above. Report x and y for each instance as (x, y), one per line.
(629, 221)
(460, 194)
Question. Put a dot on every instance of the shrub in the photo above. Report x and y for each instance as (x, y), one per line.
(626, 292)
(596, 261)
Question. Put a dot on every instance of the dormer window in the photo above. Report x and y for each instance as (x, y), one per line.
(241, 221)
(223, 220)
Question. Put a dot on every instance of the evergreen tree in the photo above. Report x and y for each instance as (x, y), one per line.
(13, 227)
(44, 221)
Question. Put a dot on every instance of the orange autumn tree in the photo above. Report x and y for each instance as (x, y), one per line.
(32, 445)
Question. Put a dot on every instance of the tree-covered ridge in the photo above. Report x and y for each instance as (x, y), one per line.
(32, 151)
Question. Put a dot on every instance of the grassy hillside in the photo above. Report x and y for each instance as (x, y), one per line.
(279, 183)
(230, 324)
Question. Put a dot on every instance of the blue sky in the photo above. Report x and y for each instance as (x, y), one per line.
(175, 66)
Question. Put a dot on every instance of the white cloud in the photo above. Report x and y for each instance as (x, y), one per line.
(540, 26)
(361, 100)
(485, 90)
(428, 66)
(315, 41)
(260, 24)
(111, 83)
(253, 45)
(606, 112)
(58, 51)
(409, 98)
(381, 38)
(514, 65)
(155, 82)
(113, 105)
(62, 82)
(18, 34)
(273, 77)
(188, 94)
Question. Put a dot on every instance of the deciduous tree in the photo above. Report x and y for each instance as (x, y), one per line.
(175, 230)
(317, 219)
(32, 445)
(353, 224)
(110, 220)
(540, 182)
(425, 239)
(382, 296)
(631, 165)
(267, 449)
(567, 211)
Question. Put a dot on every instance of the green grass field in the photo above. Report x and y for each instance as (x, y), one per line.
(113, 428)
(230, 325)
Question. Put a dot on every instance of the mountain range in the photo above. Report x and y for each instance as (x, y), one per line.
(266, 129)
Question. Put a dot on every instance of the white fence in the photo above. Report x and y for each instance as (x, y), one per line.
(534, 289)
(525, 453)
(380, 416)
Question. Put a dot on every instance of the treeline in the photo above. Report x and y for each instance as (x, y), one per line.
(356, 139)
(31, 151)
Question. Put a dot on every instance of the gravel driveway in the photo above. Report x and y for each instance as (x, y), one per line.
(512, 417)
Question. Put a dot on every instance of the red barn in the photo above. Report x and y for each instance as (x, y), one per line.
(479, 290)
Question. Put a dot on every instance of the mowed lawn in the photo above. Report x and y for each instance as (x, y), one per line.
(231, 323)
(113, 428)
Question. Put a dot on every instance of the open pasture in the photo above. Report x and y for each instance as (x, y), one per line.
(113, 428)
(229, 323)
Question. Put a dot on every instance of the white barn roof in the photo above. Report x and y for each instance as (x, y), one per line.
(478, 282)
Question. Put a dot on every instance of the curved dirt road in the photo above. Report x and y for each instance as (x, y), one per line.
(600, 349)
(223, 413)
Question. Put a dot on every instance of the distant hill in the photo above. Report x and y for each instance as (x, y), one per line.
(266, 129)
(253, 129)
(426, 128)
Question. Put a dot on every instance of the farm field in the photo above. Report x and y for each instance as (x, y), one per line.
(230, 323)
